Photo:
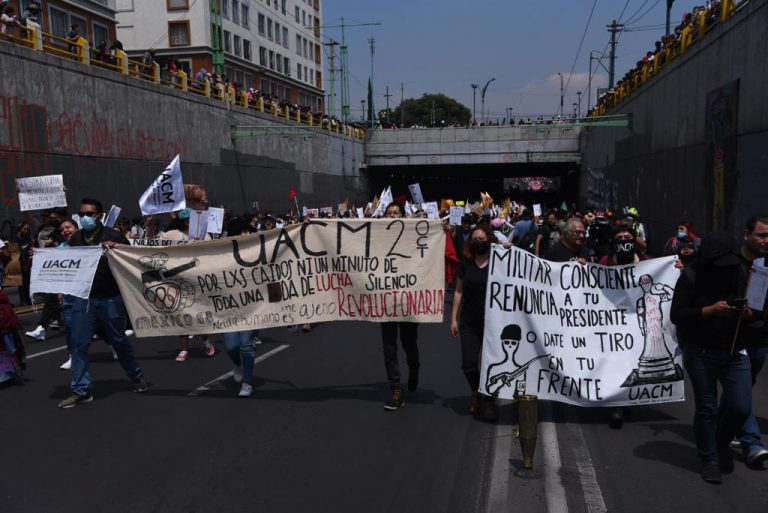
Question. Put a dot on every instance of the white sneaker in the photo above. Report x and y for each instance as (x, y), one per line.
(257, 340)
(114, 353)
(38, 333)
(128, 333)
(237, 374)
(245, 390)
(66, 365)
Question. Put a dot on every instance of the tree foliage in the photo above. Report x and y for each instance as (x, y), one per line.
(432, 109)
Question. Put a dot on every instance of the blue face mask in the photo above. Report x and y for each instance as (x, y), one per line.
(88, 223)
(682, 235)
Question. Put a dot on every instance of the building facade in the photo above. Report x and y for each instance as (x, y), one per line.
(271, 45)
(94, 18)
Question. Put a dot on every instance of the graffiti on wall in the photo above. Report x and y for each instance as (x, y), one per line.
(29, 134)
(721, 134)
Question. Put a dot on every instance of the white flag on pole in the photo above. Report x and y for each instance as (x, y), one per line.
(166, 194)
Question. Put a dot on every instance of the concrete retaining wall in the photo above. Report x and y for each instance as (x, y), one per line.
(110, 135)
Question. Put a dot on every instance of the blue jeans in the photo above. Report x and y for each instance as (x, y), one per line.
(749, 434)
(241, 350)
(715, 425)
(107, 314)
(66, 318)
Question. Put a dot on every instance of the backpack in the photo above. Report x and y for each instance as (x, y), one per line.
(528, 241)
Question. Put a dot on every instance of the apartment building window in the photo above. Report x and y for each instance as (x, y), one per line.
(269, 29)
(238, 46)
(238, 77)
(305, 47)
(317, 54)
(261, 23)
(225, 8)
(100, 33)
(227, 41)
(287, 66)
(178, 33)
(235, 11)
(282, 6)
(264, 86)
(306, 75)
(175, 5)
(81, 22)
(319, 79)
(311, 52)
(271, 60)
(262, 56)
(247, 50)
(248, 80)
(246, 17)
(277, 33)
(227, 72)
(298, 44)
(285, 37)
(58, 22)
(279, 63)
(298, 71)
(298, 14)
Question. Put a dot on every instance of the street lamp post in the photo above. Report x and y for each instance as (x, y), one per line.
(474, 95)
(578, 94)
(482, 99)
(589, 83)
(362, 102)
(561, 93)
(575, 106)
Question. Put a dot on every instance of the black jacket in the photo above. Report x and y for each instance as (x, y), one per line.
(104, 284)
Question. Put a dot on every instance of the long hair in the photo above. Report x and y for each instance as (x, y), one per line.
(468, 253)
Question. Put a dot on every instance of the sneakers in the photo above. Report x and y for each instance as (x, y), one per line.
(245, 390)
(182, 356)
(209, 349)
(54, 325)
(616, 419)
(128, 333)
(114, 353)
(711, 473)
(237, 374)
(306, 328)
(38, 333)
(757, 456)
(139, 385)
(725, 459)
(396, 402)
(74, 399)
(66, 365)
(257, 340)
(413, 378)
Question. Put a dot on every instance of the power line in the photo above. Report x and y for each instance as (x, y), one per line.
(632, 19)
(584, 35)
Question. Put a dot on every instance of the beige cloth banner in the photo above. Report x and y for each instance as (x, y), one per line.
(376, 270)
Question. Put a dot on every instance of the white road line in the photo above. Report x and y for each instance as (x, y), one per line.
(41, 353)
(550, 449)
(593, 496)
(498, 488)
(204, 388)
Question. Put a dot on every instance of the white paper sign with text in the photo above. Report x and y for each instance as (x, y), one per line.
(64, 270)
(41, 192)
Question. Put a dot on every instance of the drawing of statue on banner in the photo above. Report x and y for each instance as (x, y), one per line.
(656, 363)
(164, 293)
(509, 372)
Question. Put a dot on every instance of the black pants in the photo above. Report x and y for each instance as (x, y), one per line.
(471, 352)
(51, 309)
(408, 336)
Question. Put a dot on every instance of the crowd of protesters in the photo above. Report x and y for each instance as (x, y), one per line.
(713, 272)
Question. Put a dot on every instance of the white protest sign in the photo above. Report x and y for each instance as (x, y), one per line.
(112, 216)
(415, 190)
(319, 271)
(215, 219)
(166, 194)
(41, 192)
(432, 210)
(758, 288)
(198, 224)
(64, 270)
(360, 213)
(156, 243)
(587, 335)
(537, 210)
(456, 213)
(304, 211)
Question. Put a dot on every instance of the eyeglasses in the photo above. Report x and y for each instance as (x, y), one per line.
(88, 214)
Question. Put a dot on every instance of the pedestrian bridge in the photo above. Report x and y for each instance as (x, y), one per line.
(524, 144)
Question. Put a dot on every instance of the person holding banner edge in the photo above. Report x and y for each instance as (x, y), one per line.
(469, 297)
(408, 339)
(103, 309)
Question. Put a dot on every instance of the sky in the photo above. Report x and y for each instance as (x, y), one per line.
(443, 46)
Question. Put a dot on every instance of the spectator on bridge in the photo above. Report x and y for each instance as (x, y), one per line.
(31, 13)
(713, 350)
(73, 36)
(8, 21)
(104, 309)
(408, 339)
(469, 297)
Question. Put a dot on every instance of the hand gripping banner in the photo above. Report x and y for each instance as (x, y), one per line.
(587, 335)
(324, 270)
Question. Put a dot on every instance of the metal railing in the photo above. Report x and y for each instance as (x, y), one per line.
(80, 51)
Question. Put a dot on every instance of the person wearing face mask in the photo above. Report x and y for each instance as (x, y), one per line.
(469, 298)
(104, 309)
(686, 234)
(408, 339)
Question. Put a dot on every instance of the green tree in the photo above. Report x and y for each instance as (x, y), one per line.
(432, 109)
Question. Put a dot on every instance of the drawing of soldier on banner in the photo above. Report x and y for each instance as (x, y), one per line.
(506, 372)
(169, 295)
(656, 363)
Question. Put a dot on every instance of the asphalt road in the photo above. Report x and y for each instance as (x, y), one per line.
(314, 437)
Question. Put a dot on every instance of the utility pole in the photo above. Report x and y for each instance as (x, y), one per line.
(387, 96)
(669, 10)
(371, 108)
(561, 94)
(613, 28)
(578, 94)
(331, 61)
(402, 105)
(362, 102)
(474, 95)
